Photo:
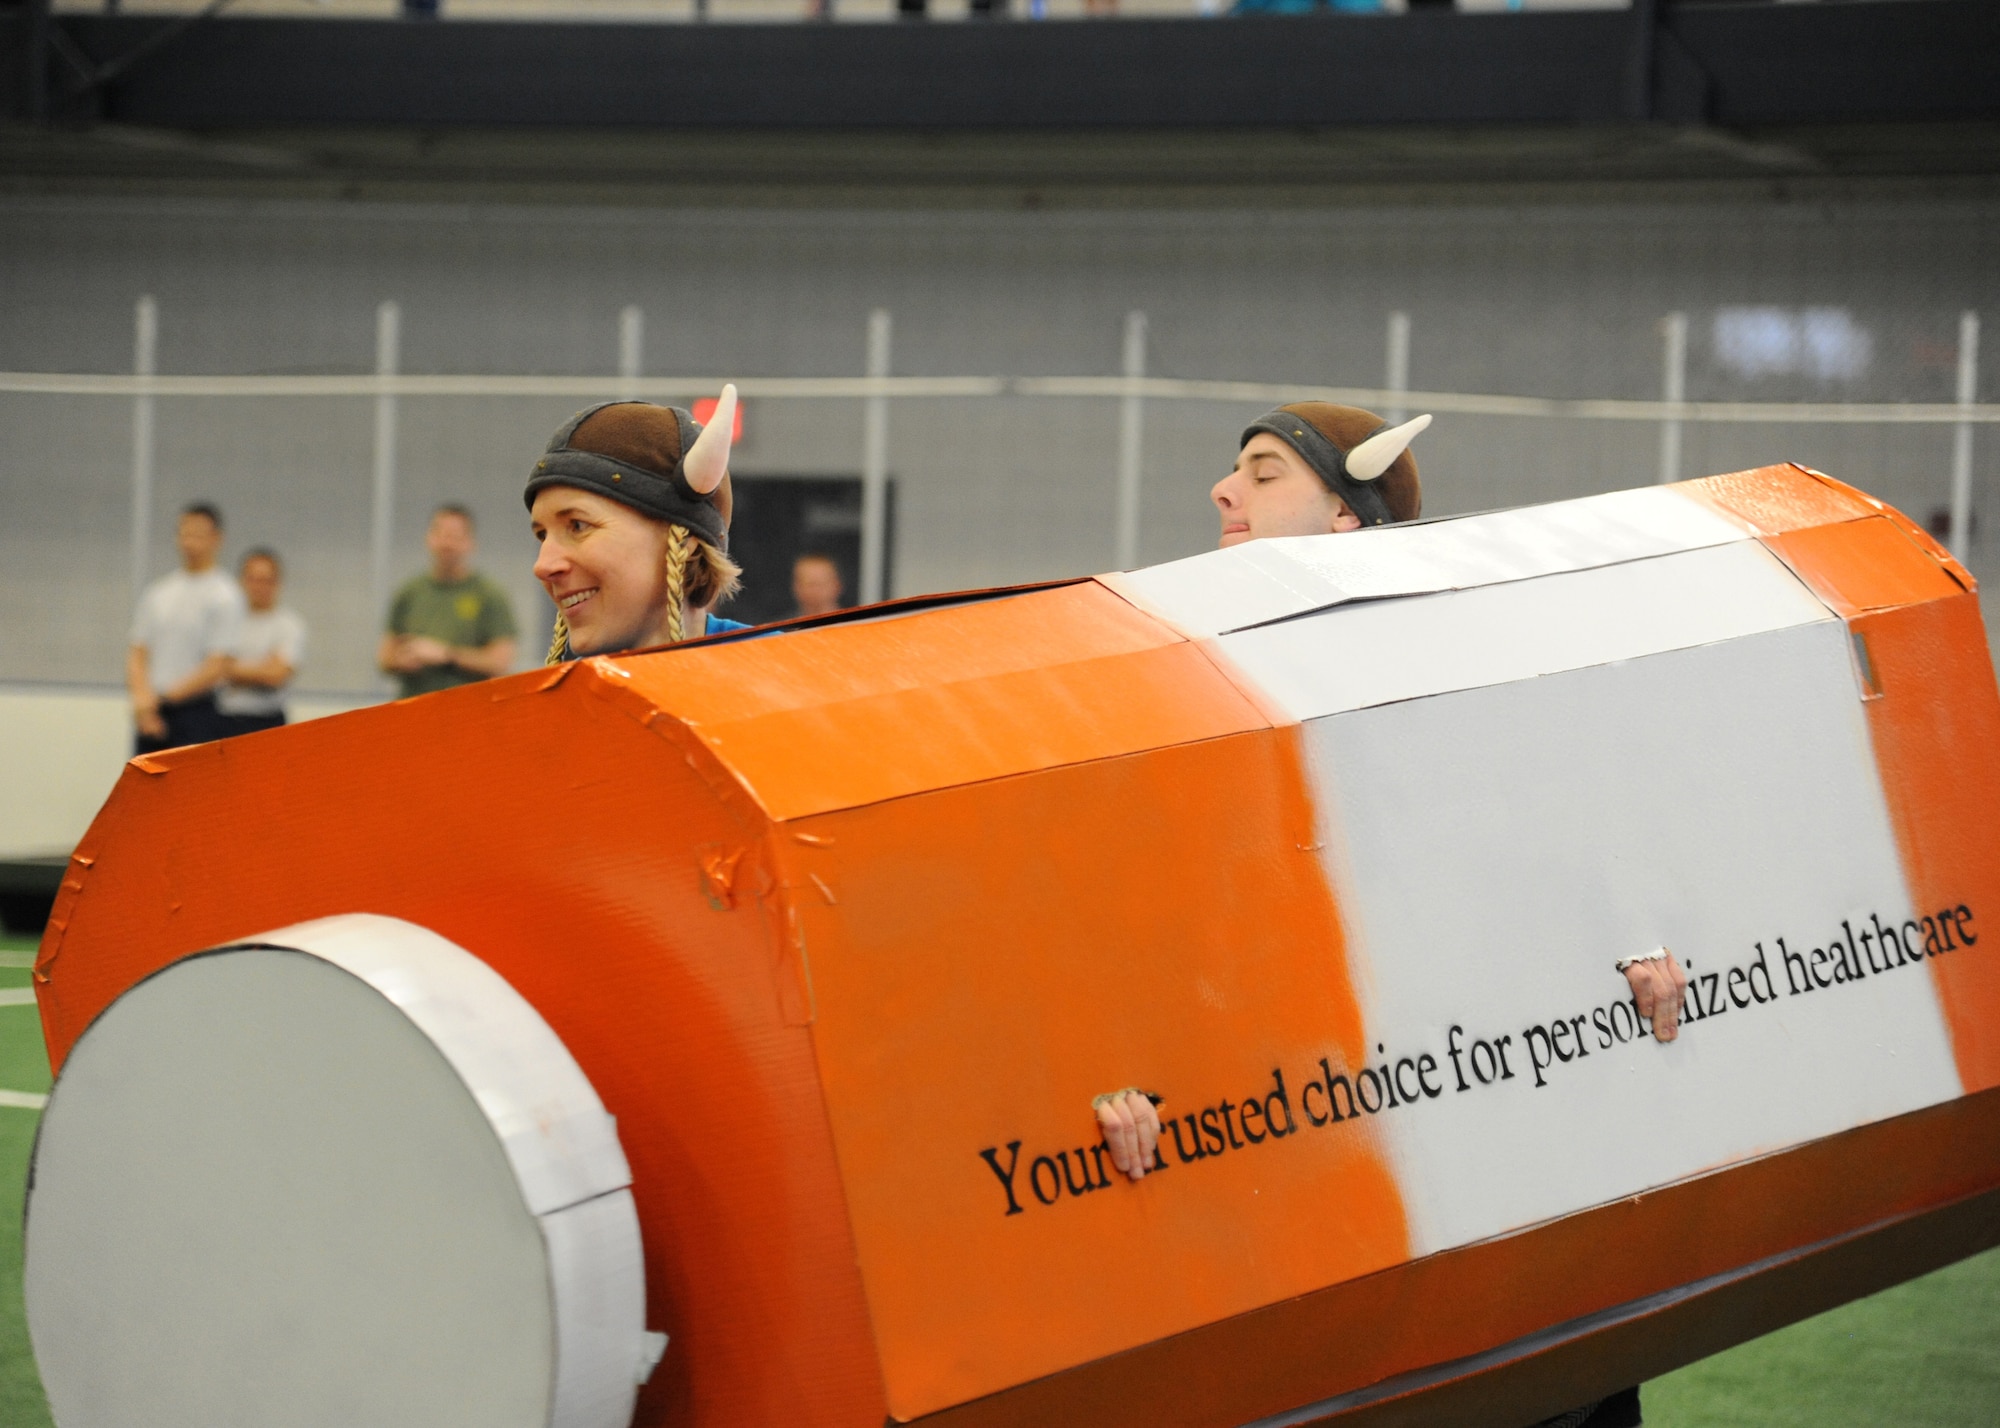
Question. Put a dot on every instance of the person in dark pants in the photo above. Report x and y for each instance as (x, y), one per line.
(180, 638)
(1620, 1410)
(266, 653)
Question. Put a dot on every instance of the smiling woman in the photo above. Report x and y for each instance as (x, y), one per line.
(631, 504)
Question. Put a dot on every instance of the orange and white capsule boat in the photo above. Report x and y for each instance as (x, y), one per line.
(708, 1036)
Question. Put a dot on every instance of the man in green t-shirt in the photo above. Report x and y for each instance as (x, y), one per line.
(451, 625)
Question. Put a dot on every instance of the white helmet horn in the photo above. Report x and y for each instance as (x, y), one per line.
(707, 461)
(1379, 452)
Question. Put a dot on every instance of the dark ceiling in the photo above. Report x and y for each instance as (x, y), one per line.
(1763, 93)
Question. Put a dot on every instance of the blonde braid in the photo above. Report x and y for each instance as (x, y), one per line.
(559, 641)
(681, 546)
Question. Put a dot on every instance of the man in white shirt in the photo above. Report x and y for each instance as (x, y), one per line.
(268, 648)
(180, 638)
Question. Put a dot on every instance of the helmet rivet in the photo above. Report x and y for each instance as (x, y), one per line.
(615, 476)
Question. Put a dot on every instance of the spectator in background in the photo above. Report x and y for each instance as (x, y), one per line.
(450, 625)
(270, 643)
(180, 639)
(816, 587)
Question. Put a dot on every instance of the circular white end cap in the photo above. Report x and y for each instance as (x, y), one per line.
(345, 1176)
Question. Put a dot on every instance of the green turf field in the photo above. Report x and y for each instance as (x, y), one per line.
(23, 1067)
(1925, 1353)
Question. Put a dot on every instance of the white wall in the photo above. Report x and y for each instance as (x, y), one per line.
(64, 749)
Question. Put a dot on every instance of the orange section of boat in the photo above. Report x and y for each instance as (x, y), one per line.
(557, 840)
(857, 713)
(1769, 500)
(1939, 751)
(1165, 912)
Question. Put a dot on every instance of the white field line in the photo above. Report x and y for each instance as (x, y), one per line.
(17, 959)
(108, 384)
(22, 1100)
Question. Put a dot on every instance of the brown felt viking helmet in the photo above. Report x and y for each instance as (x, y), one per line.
(1360, 457)
(658, 460)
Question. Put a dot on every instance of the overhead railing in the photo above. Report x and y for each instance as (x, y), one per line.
(90, 384)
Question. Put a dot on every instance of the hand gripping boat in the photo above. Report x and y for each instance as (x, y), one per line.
(429, 1064)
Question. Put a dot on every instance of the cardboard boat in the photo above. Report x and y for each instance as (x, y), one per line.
(1332, 843)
